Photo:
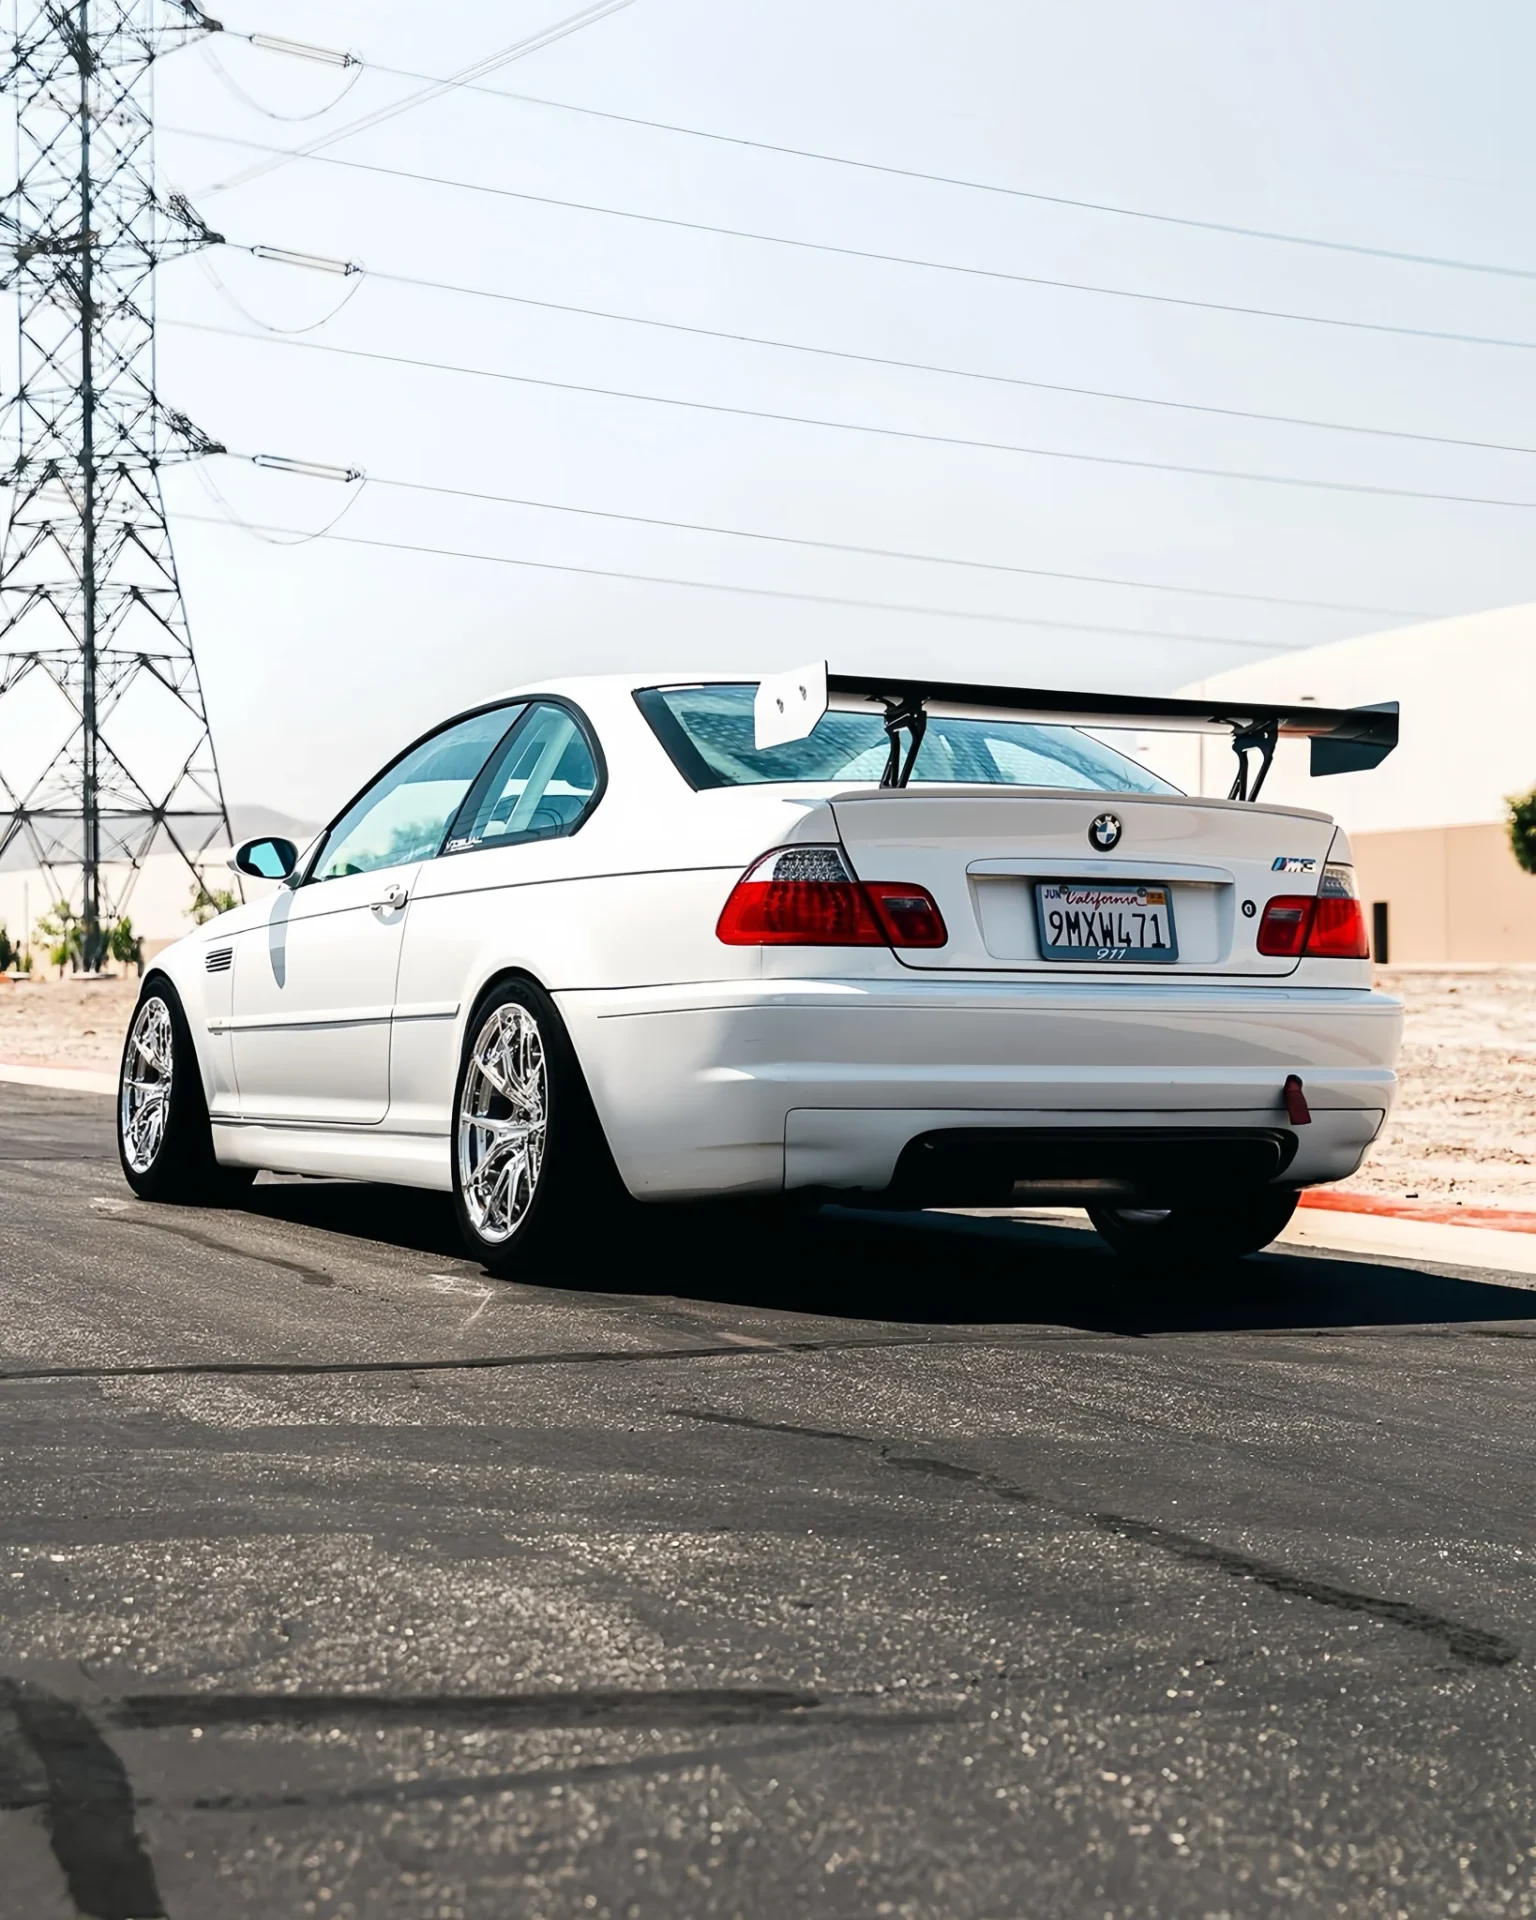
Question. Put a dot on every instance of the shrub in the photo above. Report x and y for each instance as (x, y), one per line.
(9, 955)
(63, 936)
(209, 901)
(1522, 829)
(124, 945)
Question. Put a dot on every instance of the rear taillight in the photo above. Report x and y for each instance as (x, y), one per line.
(1328, 925)
(1287, 922)
(910, 915)
(1338, 930)
(806, 897)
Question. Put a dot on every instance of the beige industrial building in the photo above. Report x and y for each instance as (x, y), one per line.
(1431, 847)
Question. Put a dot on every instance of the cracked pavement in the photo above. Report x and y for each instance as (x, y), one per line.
(924, 1568)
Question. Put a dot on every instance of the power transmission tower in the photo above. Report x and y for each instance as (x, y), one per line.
(105, 750)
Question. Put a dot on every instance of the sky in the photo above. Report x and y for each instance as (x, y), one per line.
(1402, 127)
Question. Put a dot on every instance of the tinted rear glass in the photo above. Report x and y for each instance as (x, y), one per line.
(708, 732)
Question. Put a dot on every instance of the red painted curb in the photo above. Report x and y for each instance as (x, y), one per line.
(1433, 1212)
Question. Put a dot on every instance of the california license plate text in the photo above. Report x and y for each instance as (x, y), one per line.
(1105, 923)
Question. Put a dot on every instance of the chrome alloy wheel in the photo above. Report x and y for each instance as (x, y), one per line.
(144, 1102)
(502, 1123)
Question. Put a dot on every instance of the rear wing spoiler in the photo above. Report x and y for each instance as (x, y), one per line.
(1344, 739)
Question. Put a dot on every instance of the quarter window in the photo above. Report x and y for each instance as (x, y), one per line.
(539, 784)
(405, 813)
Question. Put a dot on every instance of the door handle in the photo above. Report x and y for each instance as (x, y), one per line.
(395, 896)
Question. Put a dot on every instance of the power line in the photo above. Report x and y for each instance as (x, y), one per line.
(860, 426)
(987, 186)
(531, 43)
(927, 366)
(757, 593)
(933, 179)
(870, 254)
(267, 326)
(889, 553)
(248, 100)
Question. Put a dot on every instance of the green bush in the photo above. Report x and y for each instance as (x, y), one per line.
(9, 955)
(1522, 829)
(62, 935)
(210, 901)
(124, 945)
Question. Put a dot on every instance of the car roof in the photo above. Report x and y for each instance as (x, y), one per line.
(574, 685)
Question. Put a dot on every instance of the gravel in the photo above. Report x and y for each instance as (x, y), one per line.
(1465, 1123)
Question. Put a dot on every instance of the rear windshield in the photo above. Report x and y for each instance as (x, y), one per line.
(708, 732)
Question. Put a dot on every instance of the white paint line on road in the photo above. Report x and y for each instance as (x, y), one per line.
(472, 1285)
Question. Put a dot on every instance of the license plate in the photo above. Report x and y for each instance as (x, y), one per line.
(1080, 920)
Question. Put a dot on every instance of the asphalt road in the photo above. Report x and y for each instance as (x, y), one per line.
(918, 1568)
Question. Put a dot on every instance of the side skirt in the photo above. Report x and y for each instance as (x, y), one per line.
(343, 1153)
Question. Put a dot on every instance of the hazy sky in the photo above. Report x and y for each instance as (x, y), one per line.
(1402, 126)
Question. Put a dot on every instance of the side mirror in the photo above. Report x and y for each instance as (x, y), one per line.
(266, 858)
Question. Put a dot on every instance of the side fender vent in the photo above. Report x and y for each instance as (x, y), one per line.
(219, 959)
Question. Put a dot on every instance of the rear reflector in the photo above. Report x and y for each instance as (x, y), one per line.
(806, 897)
(1328, 925)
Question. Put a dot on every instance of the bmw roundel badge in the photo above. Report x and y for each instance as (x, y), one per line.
(1105, 832)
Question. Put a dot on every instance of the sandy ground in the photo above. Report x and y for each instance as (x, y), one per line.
(1465, 1123)
(74, 1022)
(1464, 1129)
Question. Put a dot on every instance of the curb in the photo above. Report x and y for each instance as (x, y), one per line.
(1412, 1242)
(65, 1079)
(1435, 1213)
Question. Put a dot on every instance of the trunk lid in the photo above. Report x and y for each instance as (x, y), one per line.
(984, 857)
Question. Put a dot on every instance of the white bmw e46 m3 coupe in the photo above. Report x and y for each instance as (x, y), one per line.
(883, 940)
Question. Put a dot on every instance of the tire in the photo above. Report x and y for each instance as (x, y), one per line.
(533, 1180)
(1196, 1233)
(164, 1139)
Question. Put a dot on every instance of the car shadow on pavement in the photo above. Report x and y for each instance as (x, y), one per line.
(933, 1269)
(403, 1217)
(947, 1269)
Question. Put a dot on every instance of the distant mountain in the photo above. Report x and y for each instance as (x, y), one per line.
(246, 821)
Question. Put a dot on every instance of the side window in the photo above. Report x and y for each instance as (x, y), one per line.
(405, 813)
(539, 784)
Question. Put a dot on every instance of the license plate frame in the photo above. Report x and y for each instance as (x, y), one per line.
(1096, 906)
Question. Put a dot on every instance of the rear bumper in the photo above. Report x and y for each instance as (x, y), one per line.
(1033, 1157)
(754, 1086)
